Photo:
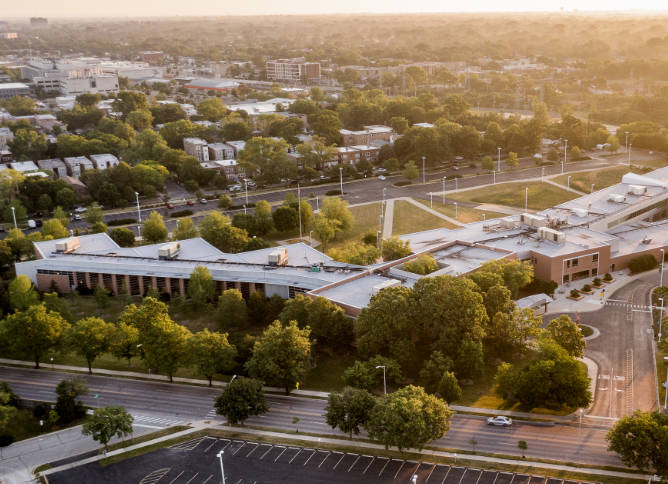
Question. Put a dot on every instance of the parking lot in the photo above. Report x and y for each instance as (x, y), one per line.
(195, 462)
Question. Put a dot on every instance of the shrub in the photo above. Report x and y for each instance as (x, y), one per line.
(331, 193)
(122, 221)
(423, 265)
(540, 286)
(370, 238)
(597, 281)
(607, 277)
(643, 263)
(181, 213)
(575, 293)
(586, 288)
(402, 183)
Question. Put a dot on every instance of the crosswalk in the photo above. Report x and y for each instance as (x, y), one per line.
(157, 422)
(627, 305)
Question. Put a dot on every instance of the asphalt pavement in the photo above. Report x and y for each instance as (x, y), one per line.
(563, 442)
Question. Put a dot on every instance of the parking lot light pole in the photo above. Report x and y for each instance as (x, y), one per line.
(444, 190)
(456, 212)
(498, 164)
(384, 381)
(661, 273)
(568, 183)
(246, 183)
(138, 214)
(222, 471)
(431, 200)
(14, 217)
(494, 174)
(424, 179)
(630, 146)
(661, 321)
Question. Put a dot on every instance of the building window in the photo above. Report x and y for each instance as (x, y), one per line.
(575, 262)
(568, 263)
(595, 258)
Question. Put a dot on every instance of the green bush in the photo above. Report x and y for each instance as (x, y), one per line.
(597, 281)
(575, 293)
(331, 193)
(540, 286)
(423, 265)
(643, 263)
(402, 183)
(122, 221)
(607, 277)
(586, 288)
(181, 213)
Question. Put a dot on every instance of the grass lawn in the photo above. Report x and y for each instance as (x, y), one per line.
(465, 215)
(366, 220)
(661, 369)
(541, 195)
(328, 375)
(408, 219)
(600, 178)
(653, 164)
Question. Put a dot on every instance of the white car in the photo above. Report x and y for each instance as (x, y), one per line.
(501, 421)
(80, 209)
(235, 188)
(382, 177)
(250, 183)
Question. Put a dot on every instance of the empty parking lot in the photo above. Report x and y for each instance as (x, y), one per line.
(195, 462)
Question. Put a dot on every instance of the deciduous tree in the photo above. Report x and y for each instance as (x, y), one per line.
(201, 287)
(349, 410)
(154, 229)
(108, 422)
(210, 353)
(90, 337)
(568, 335)
(240, 399)
(185, 229)
(22, 293)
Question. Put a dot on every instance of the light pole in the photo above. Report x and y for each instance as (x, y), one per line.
(580, 426)
(14, 217)
(630, 147)
(484, 216)
(569, 183)
(494, 174)
(563, 164)
(592, 187)
(627, 140)
(222, 471)
(526, 198)
(456, 184)
(424, 180)
(661, 321)
(317, 204)
(498, 164)
(244, 209)
(384, 381)
(246, 184)
(310, 236)
(456, 211)
(341, 180)
(431, 200)
(444, 190)
(138, 214)
(661, 273)
(542, 174)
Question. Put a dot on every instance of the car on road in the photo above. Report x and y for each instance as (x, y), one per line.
(77, 217)
(190, 203)
(379, 170)
(250, 183)
(170, 205)
(203, 200)
(500, 421)
(382, 177)
(80, 209)
(235, 188)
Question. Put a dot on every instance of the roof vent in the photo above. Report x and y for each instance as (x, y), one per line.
(616, 197)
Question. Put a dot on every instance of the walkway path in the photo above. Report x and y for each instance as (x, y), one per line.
(559, 185)
(436, 213)
(388, 219)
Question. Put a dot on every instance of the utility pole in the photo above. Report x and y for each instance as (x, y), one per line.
(494, 174)
(299, 208)
(661, 321)
(14, 217)
(222, 471)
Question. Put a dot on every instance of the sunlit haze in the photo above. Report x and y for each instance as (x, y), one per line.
(129, 8)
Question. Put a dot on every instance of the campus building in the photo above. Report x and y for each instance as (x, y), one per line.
(582, 238)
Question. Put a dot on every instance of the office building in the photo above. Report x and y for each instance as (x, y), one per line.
(10, 89)
(292, 70)
(369, 135)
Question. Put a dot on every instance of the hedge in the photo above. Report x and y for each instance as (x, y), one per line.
(643, 263)
(122, 221)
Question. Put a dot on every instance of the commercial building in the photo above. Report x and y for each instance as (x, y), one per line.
(70, 77)
(216, 85)
(10, 89)
(197, 148)
(153, 57)
(292, 70)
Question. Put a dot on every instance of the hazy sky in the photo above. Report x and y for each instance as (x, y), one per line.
(133, 8)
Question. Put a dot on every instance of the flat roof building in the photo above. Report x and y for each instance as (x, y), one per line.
(104, 161)
(10, 89)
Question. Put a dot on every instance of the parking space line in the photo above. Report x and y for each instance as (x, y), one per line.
(192, 478)
(479, 476)
(430, 473)
(225, 446)
(268, 450)
(155, 476)
(295, 456)
(353, 464)
(342, 456)
(254, 448)
(323, 461)
(418, 464)
(463, 474)
(381, 471)
(367, 467)
(208, 479)
(314, 453)
(399, 470)
(495, 478)
(211, 445)
(279, 455)
(176, 478)
(512, 478)
(446, 475)
(236, 451)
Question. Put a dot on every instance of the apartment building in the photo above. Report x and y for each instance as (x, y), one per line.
(104, 161)
(71, 77)
(55, 165)
(76, 165)
(197, 148)
(375, 134)
(220, 151)
(292, 70)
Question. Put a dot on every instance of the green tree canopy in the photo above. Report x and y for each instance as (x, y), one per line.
(108, 422)
(22, 293)
(394, 248)
(154, 229)
(54, 228)
(185, 229)
(217, 230)
(90, 337)
(328, 322)
(201, 286)
(240, 399)
(568, 335)
(232, 312)
(349, 410)
(210, 353)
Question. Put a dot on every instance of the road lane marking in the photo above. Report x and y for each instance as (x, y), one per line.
(155, 476)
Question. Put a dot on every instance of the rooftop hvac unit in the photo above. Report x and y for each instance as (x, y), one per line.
(510, 223)
(616, 197)
(384, 285)
(637, 189)
(69, 245)
(580, 212)
(278, 257)
(169, 251)
(552, 235)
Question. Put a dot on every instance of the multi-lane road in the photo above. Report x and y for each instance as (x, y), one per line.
(563, 442)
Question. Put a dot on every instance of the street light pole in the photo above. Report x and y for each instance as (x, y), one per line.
(14, 217)
(630, 147)
(661, 321)
(222, 471)
(431, 200)
(494, 174)
(563, 164)
(138, 214)
(246, 184)
(592, 187)
(542, 174)
(341, 180)
(456, 184)
(424, 180)
(498, 164)
(526, 199)
(456, 212)
(569, 183)
(627, 140)
(444, 190)
(384, 381)
(661, 274)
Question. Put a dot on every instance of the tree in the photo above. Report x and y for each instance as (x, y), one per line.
(185, 229)
(568, 335)
(368, 374)
(266, 157)
(613, 144)
(329, 324)
(510, 331)
(67, 405)
(487, 163)
(512, 160)
(263, 220)
(210, 353)
(108, 422)
(336, 209)
(409, 418)
(164, 345)
(22, 293)
(216, 229)
(212, 109)
(34, 331)
(285, 218)
(641, 441)
(99, 228)
(355, 253)
(154, 229)
(123, 236)
(54, 228)
(201, 287)
(387, 326)
(433, 370)
(423, 264)
(281, 356)
(28, 145)
(61, 215)
(349, 410)
(448, 387)
(522, 445)
(470, 360)
(232, 312)
(399, 124)
(140, 119)
(394, 248)
(410, 171)
(325, 229)
(123, 341)
(516, 274)
(94, 213)
(90, 337)
(128, 101)
(19, 106)
(316, 153)
(240, 399)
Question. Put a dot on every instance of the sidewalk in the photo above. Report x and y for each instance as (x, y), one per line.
(430, 210)
(18, 460)
(294, 393)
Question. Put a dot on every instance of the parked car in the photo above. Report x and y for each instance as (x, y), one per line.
(250, 184)
(39, 223)
(32, 224)
(170, 205)
(77, 217)
(203, 200)
(500, 421)
(235, 188)
(379, 170)
(382, 177)
(80, 209)
(190, 203)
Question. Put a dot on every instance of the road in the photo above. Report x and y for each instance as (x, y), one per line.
(623, 351)
(563, 442)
